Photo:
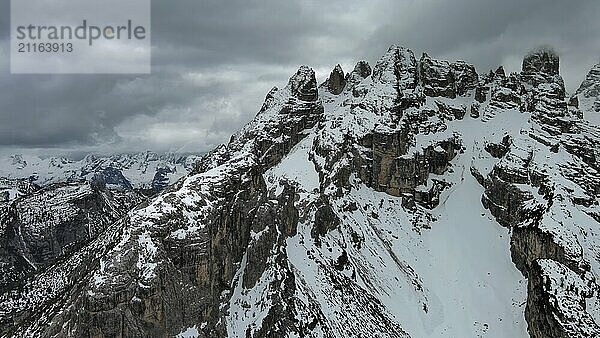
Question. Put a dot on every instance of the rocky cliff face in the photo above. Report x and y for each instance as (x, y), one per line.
(545, 190)
(50, 224)
(415, 198)
(587, 96)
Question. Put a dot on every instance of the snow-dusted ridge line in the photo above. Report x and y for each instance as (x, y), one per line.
(147, 170)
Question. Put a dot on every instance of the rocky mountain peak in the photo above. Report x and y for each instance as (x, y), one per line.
(588, 93)
(543, 59)
(445, 79)
(363, 69)
(591, 85)
(336, 81)
(397, 66)
(544, 90)
(499, 73)
(303, 84)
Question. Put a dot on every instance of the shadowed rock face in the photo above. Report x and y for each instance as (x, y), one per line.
(309, 221)
(556, 303)
(438, 79)
(543, 60)
(442, 78)
(336, 81)
(304, 85)
(53, 223)
(363, 69)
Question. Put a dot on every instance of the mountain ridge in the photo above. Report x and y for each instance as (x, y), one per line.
(148, 172)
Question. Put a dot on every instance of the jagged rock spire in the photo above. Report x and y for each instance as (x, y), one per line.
(303, 84)
(442, 78)
(543, 59)
(499, 72)
(361, 71)
(590, 87)
(336, 81)
(397, 65)
(541, 66)
(362, 68)
(589, 90)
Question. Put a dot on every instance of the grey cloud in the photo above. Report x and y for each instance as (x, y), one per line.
(213, 62)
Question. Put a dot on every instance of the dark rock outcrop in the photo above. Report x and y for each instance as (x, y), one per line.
(556, 303)
(325, 221)
(437, 77)
(442, 78)
(303, 85)
(362, 69)
(336, 81)
(542, 60)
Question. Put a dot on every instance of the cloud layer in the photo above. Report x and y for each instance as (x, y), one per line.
(213, 62)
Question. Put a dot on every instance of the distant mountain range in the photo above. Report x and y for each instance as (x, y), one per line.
(147, 172)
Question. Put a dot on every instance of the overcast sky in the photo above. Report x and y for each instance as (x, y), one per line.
(214, 61)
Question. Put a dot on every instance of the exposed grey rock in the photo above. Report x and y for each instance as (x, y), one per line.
(451, 111)
(39, 229)
(499, 150)
(465, 77)
(474, 111)
(481, 93)
(574, 101)
(325, 221)
(541, 60)
(589, 90)
(442, 78)
(362, 69)
(437, 77)
(590, 87)
(522, 194)
(499, 74)
(304, 84)
(336, 81)
(399, 67)
(398, 173)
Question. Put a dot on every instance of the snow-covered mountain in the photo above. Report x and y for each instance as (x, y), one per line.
(147, 171)
(416, 198)
(587, 95)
